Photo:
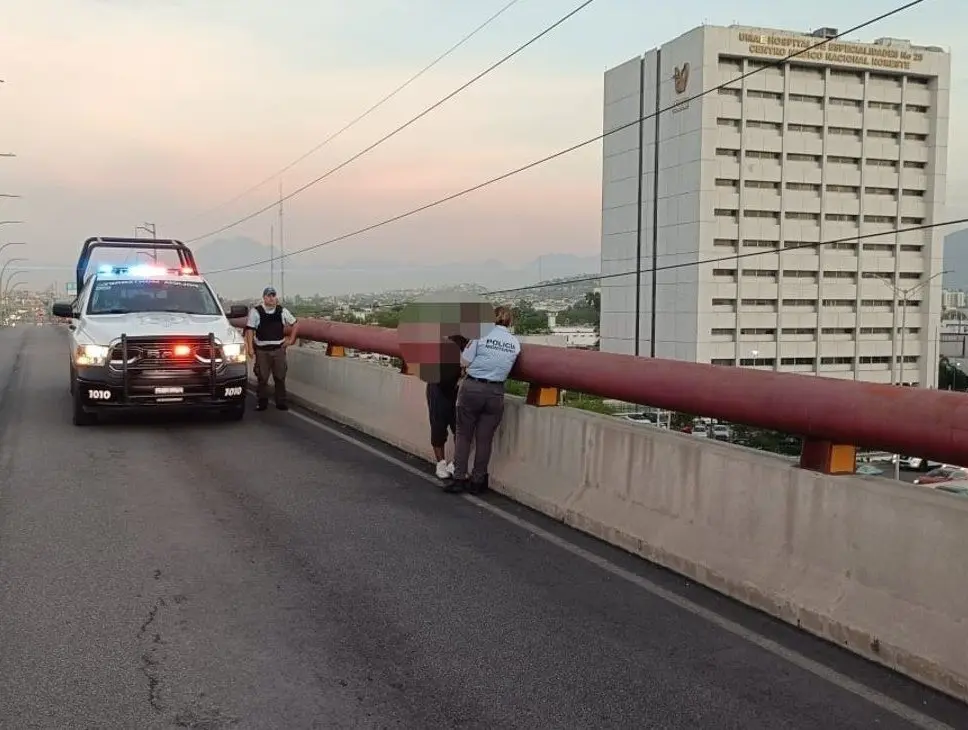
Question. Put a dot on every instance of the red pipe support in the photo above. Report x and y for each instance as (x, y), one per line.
(915, 421)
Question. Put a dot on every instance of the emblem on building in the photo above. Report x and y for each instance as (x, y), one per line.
(680, 77)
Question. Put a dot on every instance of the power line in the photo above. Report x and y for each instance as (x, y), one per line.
(369, 111)
(403, 126)
(573, 148)
(703, 262)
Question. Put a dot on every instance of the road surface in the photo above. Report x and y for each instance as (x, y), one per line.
(269, 574)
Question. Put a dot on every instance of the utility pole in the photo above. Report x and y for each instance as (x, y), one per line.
(282, 250)
(901, 295)
(272, 255)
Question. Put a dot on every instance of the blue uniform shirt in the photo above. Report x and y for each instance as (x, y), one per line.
(492, 356)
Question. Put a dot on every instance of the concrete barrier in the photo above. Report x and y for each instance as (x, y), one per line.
(873, 565)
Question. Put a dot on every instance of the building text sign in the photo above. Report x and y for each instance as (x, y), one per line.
(834, 52)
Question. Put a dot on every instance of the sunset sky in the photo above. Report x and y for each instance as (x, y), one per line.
(125, 111)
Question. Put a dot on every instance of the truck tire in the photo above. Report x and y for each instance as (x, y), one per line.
(80, 416)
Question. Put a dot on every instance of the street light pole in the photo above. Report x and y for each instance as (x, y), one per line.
(12, 243)
(3, 269)
(6, 295)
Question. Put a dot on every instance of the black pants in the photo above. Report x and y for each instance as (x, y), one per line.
(442, 409)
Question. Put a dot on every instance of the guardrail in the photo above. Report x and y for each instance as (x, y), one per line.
(834, 417)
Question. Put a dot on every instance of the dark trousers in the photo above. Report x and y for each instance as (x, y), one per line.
(271, 361)
(442, 409)
(480, 408)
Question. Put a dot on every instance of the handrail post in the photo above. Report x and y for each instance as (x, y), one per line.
(827, 457)
(542, 396)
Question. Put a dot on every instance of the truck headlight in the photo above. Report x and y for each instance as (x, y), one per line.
(233, 352)
(91, 355)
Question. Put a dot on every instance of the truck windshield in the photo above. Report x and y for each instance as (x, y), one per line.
(152, 295)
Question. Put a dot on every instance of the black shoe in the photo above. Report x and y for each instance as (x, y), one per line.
(474, 487)
(454, 486)
(282, 406)
(262, 405)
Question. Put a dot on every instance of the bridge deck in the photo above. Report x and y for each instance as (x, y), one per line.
(272, 573)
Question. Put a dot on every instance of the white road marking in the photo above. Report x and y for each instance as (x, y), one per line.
(876, 698)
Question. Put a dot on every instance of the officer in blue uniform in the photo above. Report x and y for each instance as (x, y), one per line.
(480, 401)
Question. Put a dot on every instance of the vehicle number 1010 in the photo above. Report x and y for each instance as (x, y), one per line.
(99, 394)
(231, 392)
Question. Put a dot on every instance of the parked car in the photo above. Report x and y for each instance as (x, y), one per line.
(943, 474)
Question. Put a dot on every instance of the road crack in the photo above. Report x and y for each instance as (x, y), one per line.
(150, 665)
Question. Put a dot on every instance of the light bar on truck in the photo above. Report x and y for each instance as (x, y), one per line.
(143, 270)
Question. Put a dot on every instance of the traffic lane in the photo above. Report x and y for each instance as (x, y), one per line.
(519, 631)
(136, 600)
(266, 574)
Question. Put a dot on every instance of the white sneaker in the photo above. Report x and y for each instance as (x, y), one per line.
(450, 469)
(442, 471)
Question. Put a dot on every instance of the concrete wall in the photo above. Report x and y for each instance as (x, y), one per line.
(873, 565)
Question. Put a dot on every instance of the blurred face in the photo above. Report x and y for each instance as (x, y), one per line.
(270, 300)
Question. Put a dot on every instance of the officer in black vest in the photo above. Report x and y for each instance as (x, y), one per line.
(266, 342)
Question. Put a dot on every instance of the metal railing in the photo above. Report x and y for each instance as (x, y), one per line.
(825, 412)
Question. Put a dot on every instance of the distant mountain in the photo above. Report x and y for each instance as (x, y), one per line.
(306, 278)
(956, 260)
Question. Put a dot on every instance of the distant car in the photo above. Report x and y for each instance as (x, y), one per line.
(960, 488)
(916, 463)
(942, 474)
(869, 470)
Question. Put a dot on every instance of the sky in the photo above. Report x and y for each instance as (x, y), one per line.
(122, 112)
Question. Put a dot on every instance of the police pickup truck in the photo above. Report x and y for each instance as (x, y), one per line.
(147, 335)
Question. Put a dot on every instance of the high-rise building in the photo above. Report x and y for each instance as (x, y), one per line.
(846, 141)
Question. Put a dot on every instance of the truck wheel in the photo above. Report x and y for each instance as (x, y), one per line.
(80, 416)
(235, 412)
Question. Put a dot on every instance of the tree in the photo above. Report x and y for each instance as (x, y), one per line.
(529, 321)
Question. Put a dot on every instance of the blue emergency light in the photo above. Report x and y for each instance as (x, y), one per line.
(142, 270)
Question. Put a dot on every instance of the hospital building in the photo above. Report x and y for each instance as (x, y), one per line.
(713, 203)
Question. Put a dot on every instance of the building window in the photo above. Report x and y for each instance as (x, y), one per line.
(806, 187)
(761, 155)
(841, 160)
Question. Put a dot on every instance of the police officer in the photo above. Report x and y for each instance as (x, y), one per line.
(266, 342)
(480, 401)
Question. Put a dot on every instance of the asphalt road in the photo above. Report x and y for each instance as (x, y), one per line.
(188, 573)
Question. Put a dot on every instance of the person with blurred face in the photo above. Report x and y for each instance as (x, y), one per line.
(487, 362)
(442, 406)
(266, 343)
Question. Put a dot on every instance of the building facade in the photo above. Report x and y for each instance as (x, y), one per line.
(713, 209)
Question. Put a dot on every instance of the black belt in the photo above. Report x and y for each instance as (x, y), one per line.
(482, 380)
(268, 347)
